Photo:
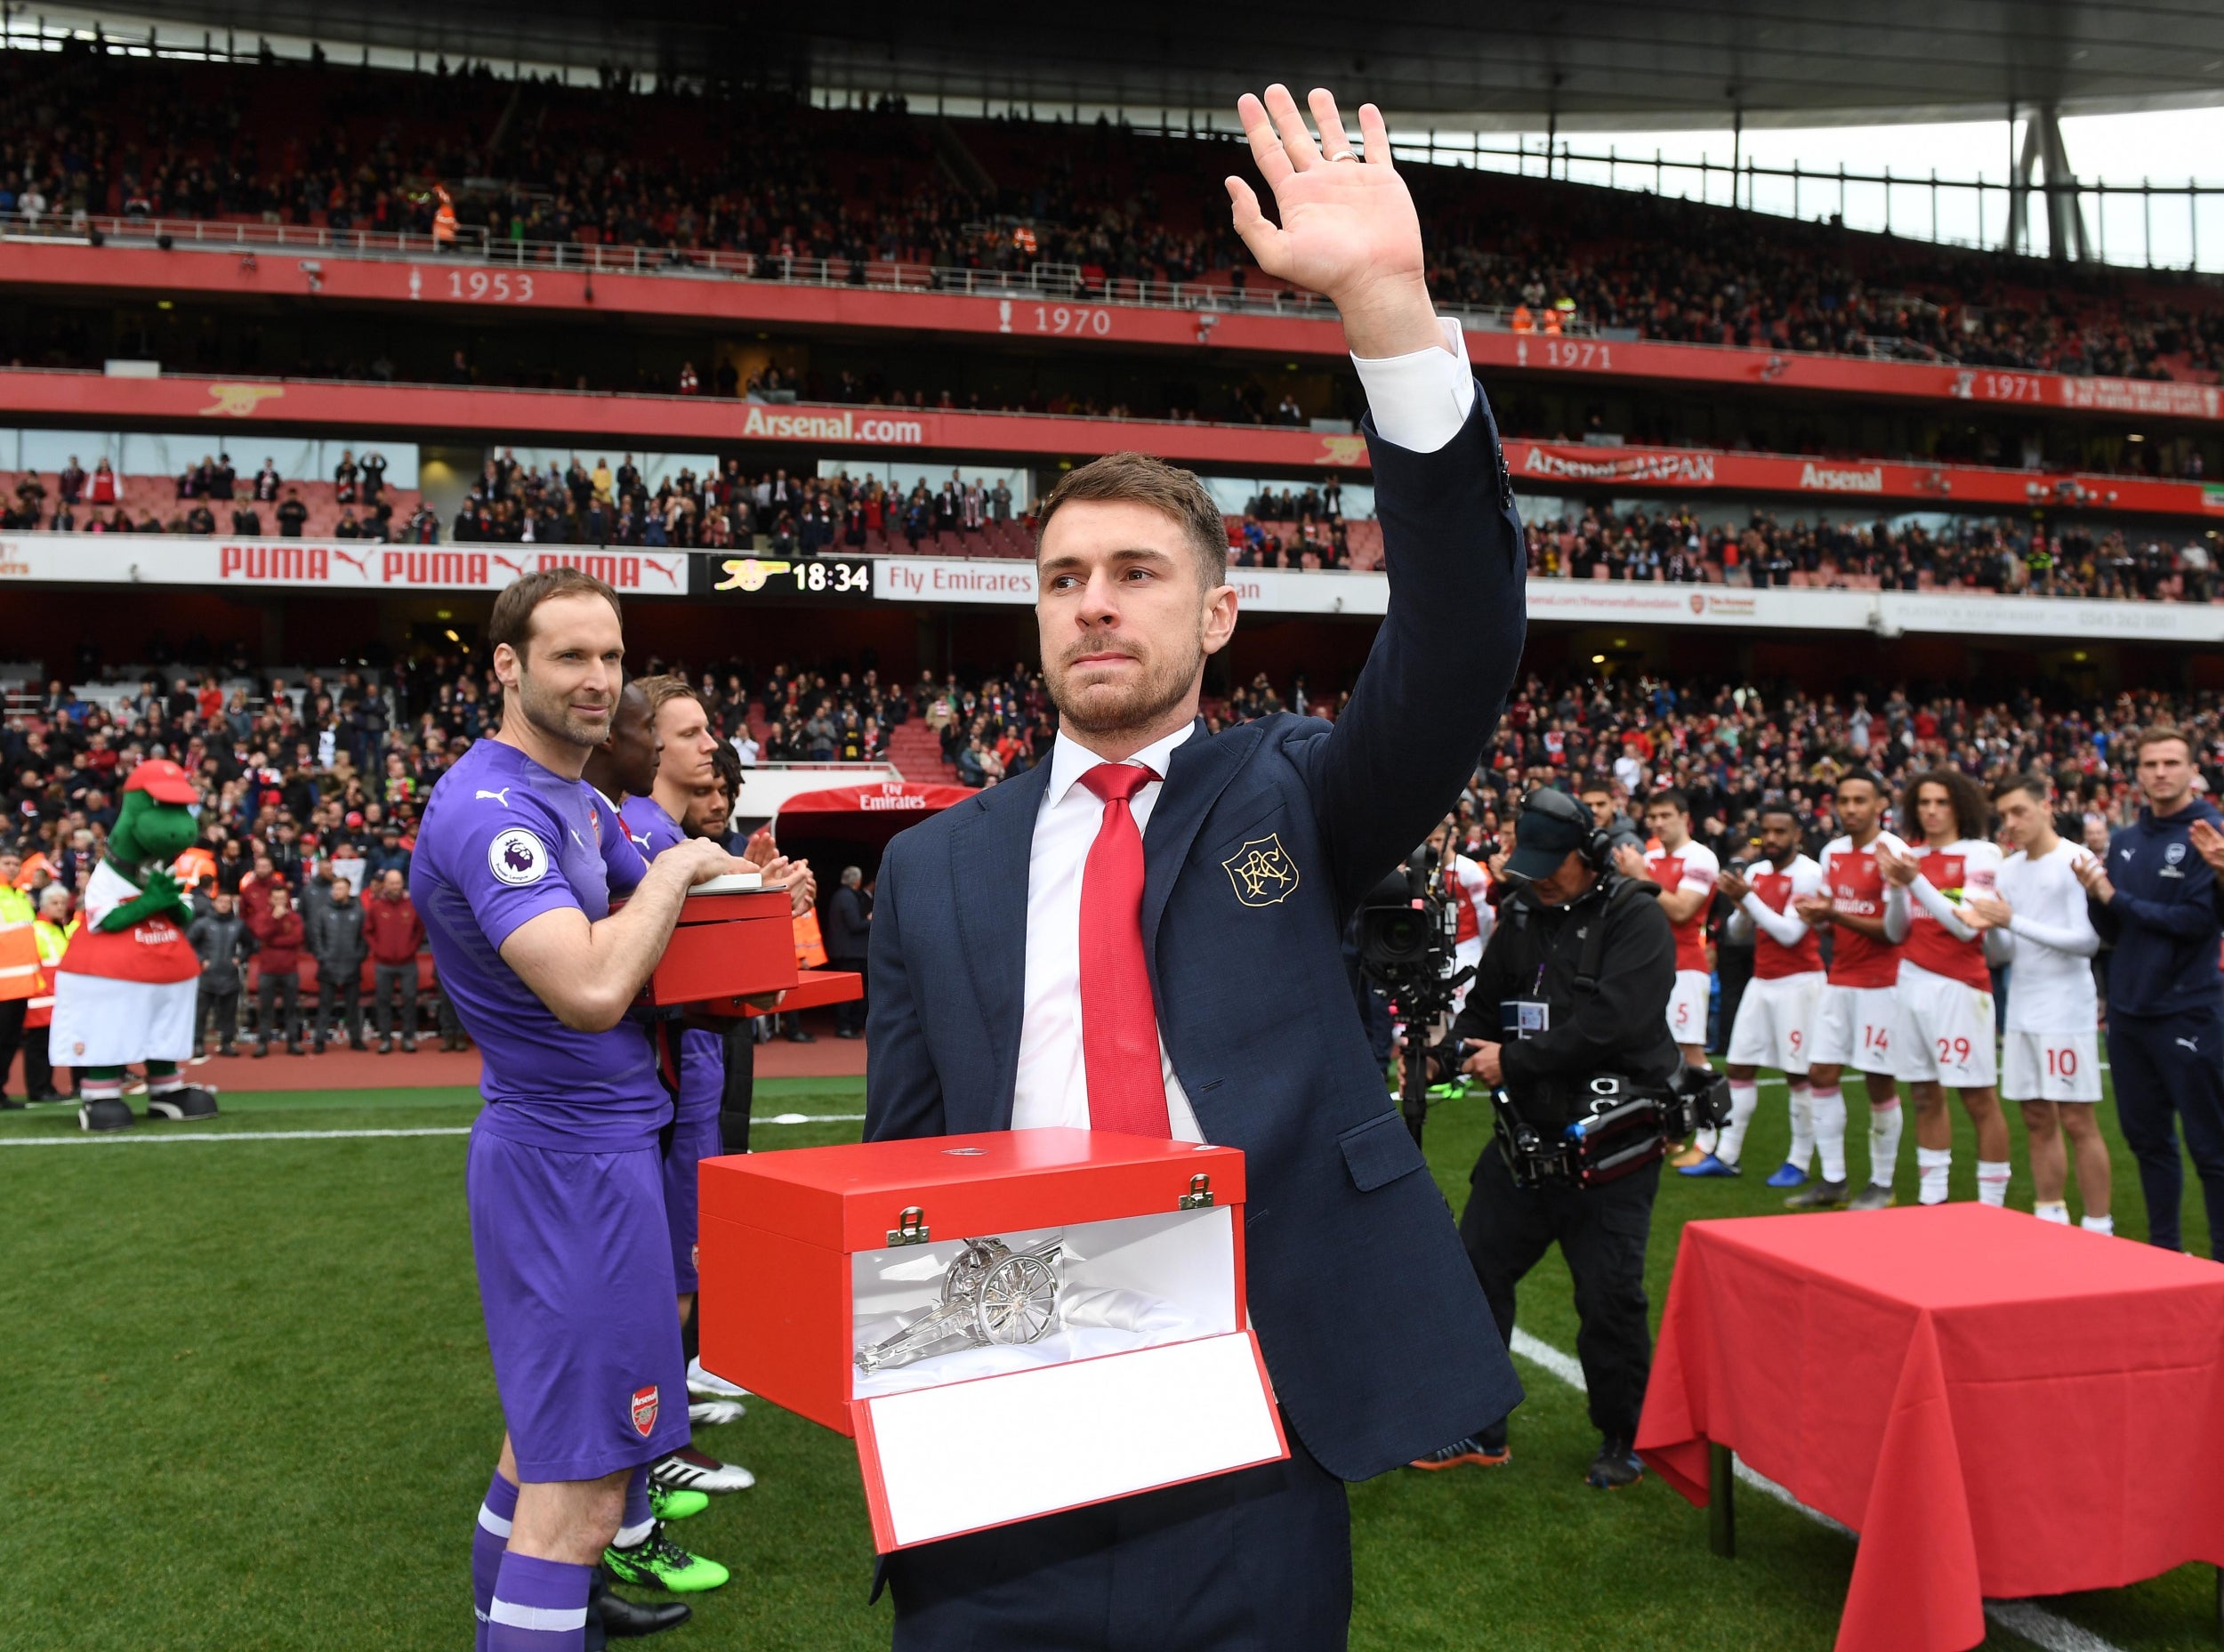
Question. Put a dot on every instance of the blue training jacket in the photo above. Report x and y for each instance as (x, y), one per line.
(2162, 919)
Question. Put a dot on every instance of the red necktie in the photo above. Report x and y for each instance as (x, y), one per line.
(1119, 1025)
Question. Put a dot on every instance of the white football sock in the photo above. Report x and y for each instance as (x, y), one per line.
(1830, 1130)
(1745, 1099)
(1885, 1122)
(1932, 1166)
(2051, 1209)
(2099, 1224)
(1992, 1184)
(1802, 1153)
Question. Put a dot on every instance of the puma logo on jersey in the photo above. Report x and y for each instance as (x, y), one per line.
(502, 797)
(2191, 1043)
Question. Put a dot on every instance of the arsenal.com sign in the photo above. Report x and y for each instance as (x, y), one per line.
(339, 564)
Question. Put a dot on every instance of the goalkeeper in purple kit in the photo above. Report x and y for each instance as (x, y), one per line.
(564, 1176)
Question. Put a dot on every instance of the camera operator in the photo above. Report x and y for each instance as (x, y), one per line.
(1572, 989)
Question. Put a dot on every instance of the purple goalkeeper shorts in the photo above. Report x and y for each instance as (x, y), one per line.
(574, 1274)
(693, 1140)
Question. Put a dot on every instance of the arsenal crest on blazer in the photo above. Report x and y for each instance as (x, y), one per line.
(645, 1410)
(1262, 872)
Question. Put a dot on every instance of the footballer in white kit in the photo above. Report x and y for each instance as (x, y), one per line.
(1946, 997)
(1686, 870)
(1857, 1018)
(1776, 1012)
(2051, 1051)
(2040, 923)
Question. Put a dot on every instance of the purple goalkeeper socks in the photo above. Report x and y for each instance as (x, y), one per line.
(638, 1518)
(490, 1538)
(539, 1606)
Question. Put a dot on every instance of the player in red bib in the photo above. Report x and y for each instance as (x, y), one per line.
(1777, 1013)
(1856, 1017)
(1946, 991)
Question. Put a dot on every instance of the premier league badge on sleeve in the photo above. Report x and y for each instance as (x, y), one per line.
(1262, 872)
(516, 857)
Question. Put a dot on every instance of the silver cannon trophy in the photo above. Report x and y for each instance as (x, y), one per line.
(991, 1294)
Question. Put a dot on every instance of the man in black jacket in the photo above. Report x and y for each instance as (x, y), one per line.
(1535, 1028)
(335, 940)
(848, 935)
(219, 938)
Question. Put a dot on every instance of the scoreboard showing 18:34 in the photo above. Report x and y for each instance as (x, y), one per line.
(814, 579)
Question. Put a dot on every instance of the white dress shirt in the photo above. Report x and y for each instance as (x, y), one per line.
(1054, 1082)
(1420, 402)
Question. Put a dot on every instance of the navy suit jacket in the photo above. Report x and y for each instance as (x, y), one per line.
(1374, 1331)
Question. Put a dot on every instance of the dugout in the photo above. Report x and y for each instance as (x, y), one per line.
(849, 825)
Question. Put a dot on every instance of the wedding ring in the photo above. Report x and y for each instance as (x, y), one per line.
(1343, 155)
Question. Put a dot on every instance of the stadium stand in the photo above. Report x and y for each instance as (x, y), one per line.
(772, 182)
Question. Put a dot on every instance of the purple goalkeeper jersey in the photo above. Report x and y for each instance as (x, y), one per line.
(650, 827)
(625, 858)
(701, 1054)
(503, 841)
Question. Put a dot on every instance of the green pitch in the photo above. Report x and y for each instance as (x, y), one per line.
(250, 1406)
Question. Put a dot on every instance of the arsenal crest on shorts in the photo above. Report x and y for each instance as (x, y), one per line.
(645, 1410)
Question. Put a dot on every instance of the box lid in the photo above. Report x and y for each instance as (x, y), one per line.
(707, 904)
(853, 1196)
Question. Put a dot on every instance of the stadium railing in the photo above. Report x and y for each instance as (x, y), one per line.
(1059, 282)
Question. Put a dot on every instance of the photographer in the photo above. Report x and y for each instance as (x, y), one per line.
(1573, 986)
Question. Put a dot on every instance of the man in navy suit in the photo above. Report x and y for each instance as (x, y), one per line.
(1087, 946)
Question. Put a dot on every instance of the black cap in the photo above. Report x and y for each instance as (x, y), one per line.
(1545, 836)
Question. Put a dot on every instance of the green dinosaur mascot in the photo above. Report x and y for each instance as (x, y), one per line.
(124, 990)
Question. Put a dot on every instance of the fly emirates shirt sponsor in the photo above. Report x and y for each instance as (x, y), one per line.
(1692, 868)
(1855, 885)
(1778, 891)
(1956, 871)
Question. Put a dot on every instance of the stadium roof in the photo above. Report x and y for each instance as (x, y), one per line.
(1602, 64)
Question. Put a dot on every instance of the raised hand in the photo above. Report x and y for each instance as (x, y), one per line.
(1349, 231)
(2208, 843)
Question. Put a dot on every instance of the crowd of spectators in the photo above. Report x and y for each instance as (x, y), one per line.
(692, 166)
(324, 776)
(1966, 553)
(1732, 747)
(792, 514)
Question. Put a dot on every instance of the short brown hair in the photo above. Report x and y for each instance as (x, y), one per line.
(2036, 784)
(1138, 479)
(2157, 734)
(511, 621)
(658, 690)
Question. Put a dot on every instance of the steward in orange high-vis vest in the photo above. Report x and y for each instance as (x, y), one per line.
(21, 979)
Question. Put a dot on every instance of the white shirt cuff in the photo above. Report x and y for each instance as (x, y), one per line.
(1420, 401)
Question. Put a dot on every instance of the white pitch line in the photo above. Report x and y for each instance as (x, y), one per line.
(2025, 1618)
(118, 1137)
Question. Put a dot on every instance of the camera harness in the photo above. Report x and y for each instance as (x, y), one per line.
(1627, 1125)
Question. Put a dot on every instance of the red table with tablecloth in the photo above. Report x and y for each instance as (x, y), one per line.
(2000, 1406)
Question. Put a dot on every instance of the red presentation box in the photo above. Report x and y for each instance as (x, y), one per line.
(725, 945)
(1148, 1373)
(814, 989)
